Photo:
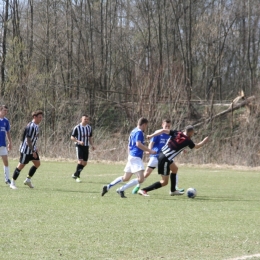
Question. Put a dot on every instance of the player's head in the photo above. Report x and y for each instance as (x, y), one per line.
(189, 130)
(84, 119)
(37, 116)
(166, 124)
(142, 123)
(3, 110)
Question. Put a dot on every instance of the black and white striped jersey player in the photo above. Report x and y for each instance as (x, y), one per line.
(83, 137)
(28, 150)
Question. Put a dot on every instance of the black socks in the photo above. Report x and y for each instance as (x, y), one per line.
(78, 170)
(173, 182)
(154, 186)
(32, 171)
(16, 173)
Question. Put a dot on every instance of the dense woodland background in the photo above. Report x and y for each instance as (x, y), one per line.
(119, 60)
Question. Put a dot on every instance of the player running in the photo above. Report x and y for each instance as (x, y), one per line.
(82, 136)
(175, 145)
(156, 144)
(5, 134)
(28, 150)
(134, 164)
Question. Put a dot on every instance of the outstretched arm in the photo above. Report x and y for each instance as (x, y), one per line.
(159, 132)
(204, 141)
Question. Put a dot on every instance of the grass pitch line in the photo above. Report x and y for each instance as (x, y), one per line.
(244, 257)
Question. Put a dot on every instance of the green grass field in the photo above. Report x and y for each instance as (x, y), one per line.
(62, 219)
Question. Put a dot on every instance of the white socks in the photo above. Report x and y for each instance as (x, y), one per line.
(115, 182)
(6, 171)
(129, 184)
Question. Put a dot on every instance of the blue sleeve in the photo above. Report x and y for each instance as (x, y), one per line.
(139, 136)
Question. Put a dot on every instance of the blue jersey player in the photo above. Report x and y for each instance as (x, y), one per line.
(5, 134)
(156, 144)
(134, 164)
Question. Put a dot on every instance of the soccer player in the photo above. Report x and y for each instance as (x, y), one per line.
(134, 164)
(175, 145)
(28, 150)
(156, 144)
(82, 136)
(5, 134)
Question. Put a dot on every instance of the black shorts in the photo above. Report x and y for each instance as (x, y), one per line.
(164, 165)
(82, 152)
(26, 158)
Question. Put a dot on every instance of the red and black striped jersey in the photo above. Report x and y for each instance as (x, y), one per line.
(176, 144)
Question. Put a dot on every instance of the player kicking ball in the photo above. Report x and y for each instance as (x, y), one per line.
(156, 144)
(135, 163)
(166, 167)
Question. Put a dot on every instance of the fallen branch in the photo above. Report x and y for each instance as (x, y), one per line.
(230, 109)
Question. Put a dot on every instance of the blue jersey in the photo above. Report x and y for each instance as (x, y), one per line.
(135, 136)
(159, 141)
(4, 127)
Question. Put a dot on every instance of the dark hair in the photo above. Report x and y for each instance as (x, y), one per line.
(142, 121)
(85, 115)
(2, 107)
(168, 121)
(36, 113)
(189, 128)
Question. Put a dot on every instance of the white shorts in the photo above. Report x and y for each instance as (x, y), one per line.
(3, 151)
(134, 164)
(153, 162)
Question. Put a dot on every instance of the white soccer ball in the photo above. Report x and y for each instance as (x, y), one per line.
(191, 193)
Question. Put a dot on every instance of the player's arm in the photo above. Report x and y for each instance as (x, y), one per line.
(200, 144)
(8, 135)
(159, 132)
(74, 139)
(29, 143)
(144, 148)
(91, 141)
(150, 146)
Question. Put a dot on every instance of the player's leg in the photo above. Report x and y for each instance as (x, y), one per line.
(3, 154)
(136, 166)
(131, 183)
(24, 159)
(36, 164)
(164, 171)
(174, 170)
(177, 181)
(152, 164)
(116, 181)
(82, 156)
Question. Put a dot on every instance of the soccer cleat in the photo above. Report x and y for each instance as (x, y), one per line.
(179, 189)
(73, 176)
(28, 183)
(104, 190)
(8, 182)
(78, 180)
(177, 192)
(12, 186)
(135, 189)
(143, 192)
(121, 193)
